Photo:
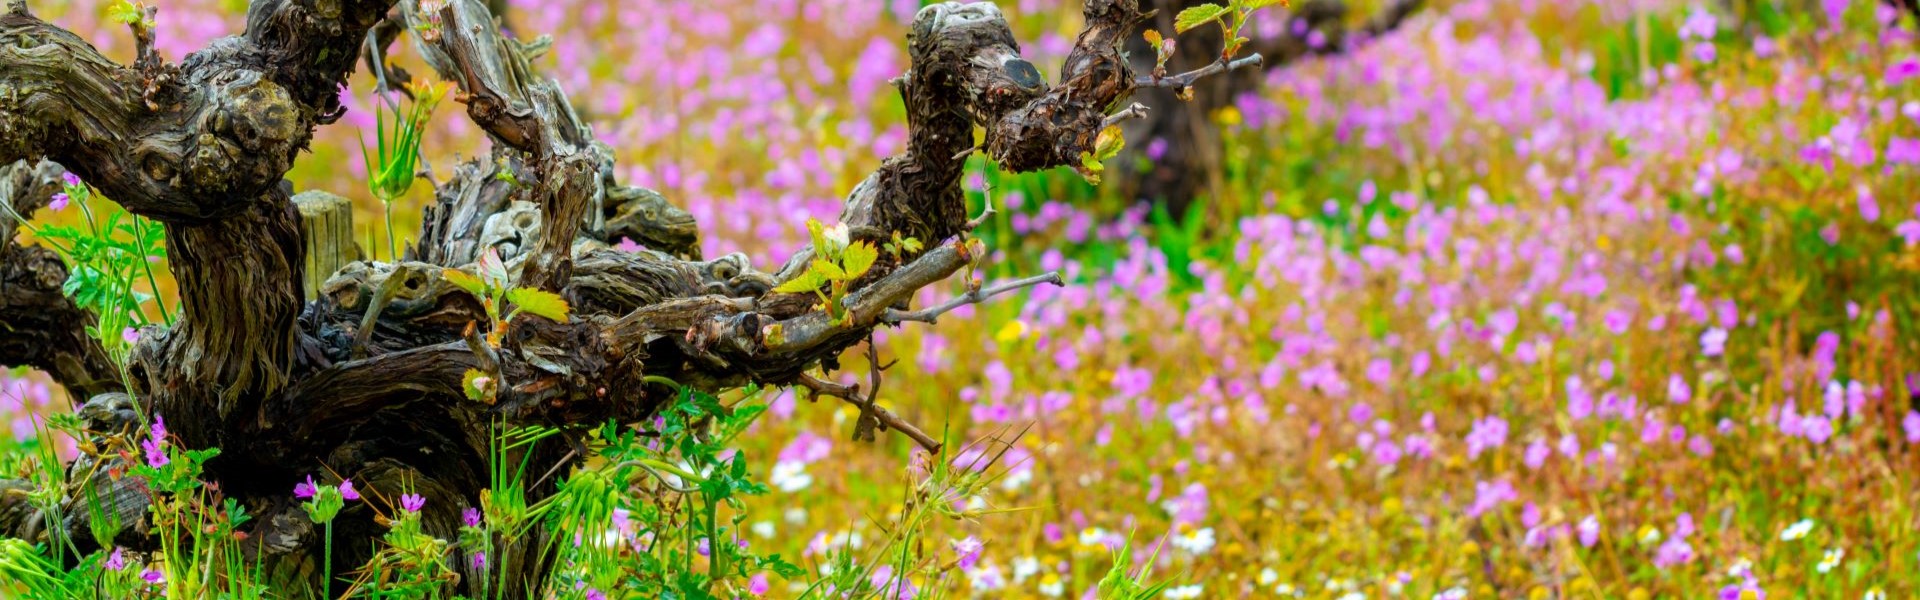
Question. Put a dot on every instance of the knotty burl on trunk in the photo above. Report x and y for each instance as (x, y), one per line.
(365, 380)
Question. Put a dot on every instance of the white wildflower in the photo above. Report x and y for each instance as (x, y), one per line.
(986, 578)
(1830, 560)
(790, 476)
(1797, 530)
(1740, 569)
(1051, 586)
(1092, 537)
(1024, 567)
(1195, 541)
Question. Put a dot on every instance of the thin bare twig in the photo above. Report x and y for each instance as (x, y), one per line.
(566, 460)
(863, 428)
(1186, 79)
(1137, 111)
(851, 393)
(988, 213)
(932, 314)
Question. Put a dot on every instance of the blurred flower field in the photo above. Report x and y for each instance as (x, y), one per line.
(1530, 299)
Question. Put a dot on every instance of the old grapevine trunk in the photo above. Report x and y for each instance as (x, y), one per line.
(365, 381)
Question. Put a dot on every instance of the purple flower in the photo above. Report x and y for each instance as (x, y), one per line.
(1912, 424)
(1488, 496)
(346, 490)
(305, 491)
(969, 551)
(153, 576)
(1589, 530)
(1705, 52)
(806, 448)
(1742, 591)
(130, 335)
(155, 444)
(478, 561)
(1817, 428)
(70, 179)
(117, 560)
(1699, 25)
(1713, 342)
(471, 516)
(1675, 551)
(1903, 150)
(1909, 231)
(1537, 453)
(1386, 452)
(59, 201)
(156, 453)
(1678, 392)
(1488, 433)
(1903, 70)
(594, 594)
(1699, 445)
(1618, 321)
(758, 586)
(412, 502)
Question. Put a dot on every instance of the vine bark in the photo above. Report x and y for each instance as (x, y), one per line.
(365, 380)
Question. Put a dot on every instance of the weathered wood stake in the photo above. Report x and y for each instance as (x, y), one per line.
(326, 226)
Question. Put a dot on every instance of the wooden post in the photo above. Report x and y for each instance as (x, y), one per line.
(326, 225)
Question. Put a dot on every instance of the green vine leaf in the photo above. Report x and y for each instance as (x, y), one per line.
(806, 282)
(1090, 168)
(124, 12)
(477, 385)
(466, 281)
(859, 257)
(1199, 15)
(817, 232)
(1109, 143)
(539, 302)
(829, 270)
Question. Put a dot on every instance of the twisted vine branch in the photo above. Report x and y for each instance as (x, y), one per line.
(369, 373)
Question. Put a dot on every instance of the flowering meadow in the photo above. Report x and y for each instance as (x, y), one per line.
(1526, 299)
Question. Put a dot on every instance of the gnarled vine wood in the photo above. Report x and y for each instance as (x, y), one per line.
(365, 379)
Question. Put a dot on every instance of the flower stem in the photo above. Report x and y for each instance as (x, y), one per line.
(326, 560)
(147, 263)
(391, 255)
